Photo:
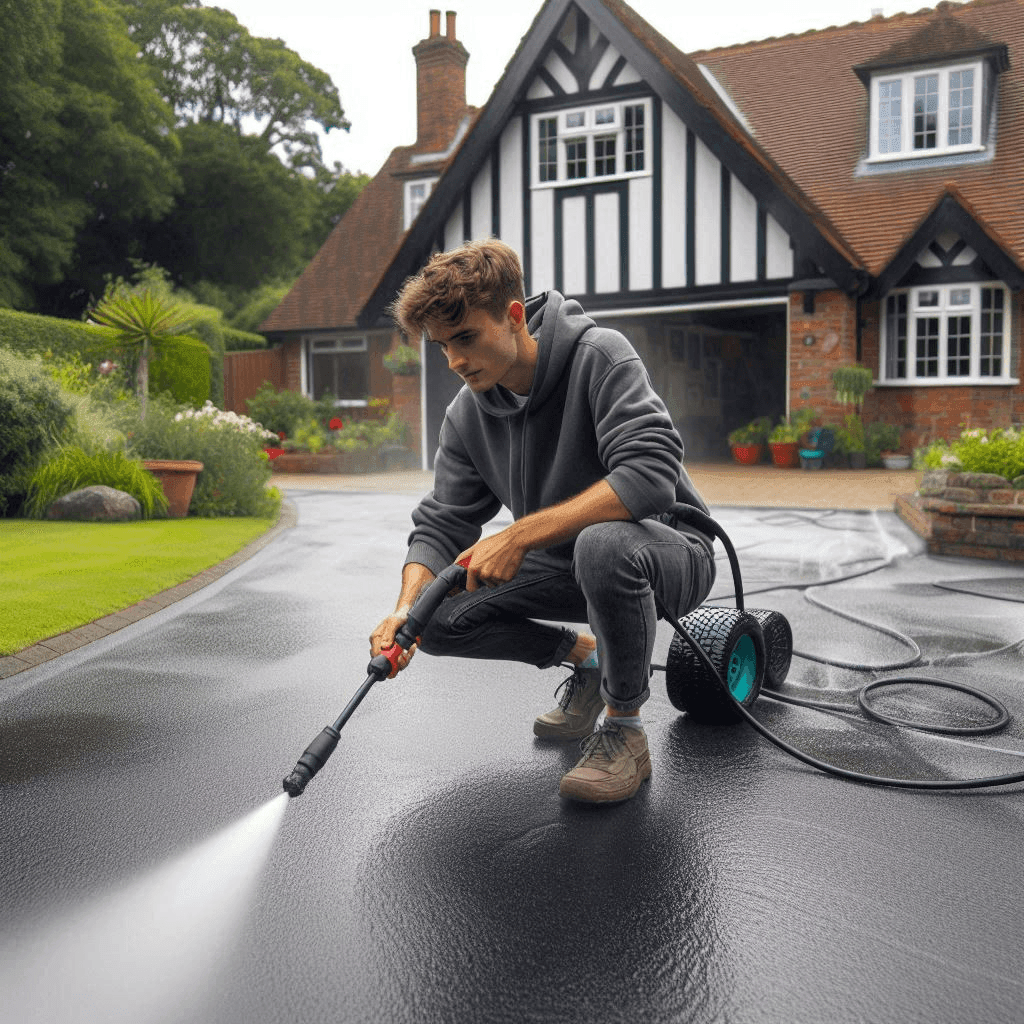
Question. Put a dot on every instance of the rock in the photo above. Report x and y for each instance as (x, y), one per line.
(95, 504)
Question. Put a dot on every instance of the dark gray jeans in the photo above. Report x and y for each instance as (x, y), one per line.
(616, 570)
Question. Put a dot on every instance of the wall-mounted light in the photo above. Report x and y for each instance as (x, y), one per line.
(808, 340)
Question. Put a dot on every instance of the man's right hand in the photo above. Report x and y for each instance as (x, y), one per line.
(383, 637)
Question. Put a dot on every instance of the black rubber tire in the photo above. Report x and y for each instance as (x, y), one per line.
(778, 645)
(691, 686)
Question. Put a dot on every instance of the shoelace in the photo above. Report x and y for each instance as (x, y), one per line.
(603, 745)
(567, 687)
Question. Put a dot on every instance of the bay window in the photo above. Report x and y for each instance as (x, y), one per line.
(947, 334)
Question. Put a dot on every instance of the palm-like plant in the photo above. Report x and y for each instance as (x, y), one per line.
(144, 322)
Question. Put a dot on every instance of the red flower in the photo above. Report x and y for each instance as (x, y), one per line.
(335, 424)
(281, 434)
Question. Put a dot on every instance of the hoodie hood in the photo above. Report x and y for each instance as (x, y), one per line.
(556, 324)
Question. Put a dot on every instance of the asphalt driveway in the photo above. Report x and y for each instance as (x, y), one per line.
(431, 873)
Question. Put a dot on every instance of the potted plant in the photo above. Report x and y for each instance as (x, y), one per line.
(852, 441)
(883, 443)
(403, 361)
(784, 440)
(144, 325)
(851, 384)
(747, 442)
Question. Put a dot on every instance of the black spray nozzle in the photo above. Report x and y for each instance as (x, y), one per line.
(381, 666)
(313, 758)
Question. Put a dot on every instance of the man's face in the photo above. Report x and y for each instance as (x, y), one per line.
(480, 349)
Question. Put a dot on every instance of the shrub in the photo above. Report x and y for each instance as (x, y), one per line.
(73, 468)
(182, 370)
(999, 451)
(285, 412)
(34, 416)
(230, 447)
(851, 436)
(364, 435)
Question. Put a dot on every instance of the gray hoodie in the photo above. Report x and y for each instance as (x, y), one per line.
(591, 414)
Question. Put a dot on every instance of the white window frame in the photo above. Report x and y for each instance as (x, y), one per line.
(942, 148)
(341, 344)
(590, 131)
(943, 310)
(413, 205)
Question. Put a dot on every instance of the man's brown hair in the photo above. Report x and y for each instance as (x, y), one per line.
(478, 275)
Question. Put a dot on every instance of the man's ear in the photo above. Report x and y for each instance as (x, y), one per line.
(517, 313)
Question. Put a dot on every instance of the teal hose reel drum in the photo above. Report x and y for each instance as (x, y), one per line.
(745, 649)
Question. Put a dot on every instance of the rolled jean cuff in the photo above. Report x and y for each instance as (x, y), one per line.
(623, 705)
(565, 645)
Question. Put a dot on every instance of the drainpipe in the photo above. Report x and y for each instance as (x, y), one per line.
(789, 350)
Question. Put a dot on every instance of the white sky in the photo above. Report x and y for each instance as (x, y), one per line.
(366, 47)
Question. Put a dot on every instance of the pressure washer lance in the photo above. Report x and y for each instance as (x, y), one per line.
(315, 756)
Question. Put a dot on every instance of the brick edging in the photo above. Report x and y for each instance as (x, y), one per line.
(63, 643)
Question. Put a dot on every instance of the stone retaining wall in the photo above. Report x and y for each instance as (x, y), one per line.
(970, 515)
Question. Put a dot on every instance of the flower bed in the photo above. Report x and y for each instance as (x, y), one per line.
(969, 515)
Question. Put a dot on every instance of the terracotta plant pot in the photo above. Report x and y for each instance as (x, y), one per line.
(178, 479)
(746, 454)
(785, 453)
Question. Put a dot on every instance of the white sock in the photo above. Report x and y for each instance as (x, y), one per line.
(629, 721)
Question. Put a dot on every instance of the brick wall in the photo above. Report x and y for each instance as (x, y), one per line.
(833, 326)
(925, 413)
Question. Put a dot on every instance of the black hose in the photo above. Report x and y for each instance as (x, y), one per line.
(707, 525)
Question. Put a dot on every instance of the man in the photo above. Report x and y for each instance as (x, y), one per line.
(558, 422)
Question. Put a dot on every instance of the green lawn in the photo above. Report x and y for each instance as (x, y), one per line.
(57, 576)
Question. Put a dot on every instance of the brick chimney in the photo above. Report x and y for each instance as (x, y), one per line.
(440, 85)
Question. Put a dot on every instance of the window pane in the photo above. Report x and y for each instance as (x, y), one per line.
(575, 158)
(604, 155)
(927, 362)
(606, 115)
(896, 336)
(928, 298)
(547, 153)
(890, 118)
(961, 107)
(958, 346)
(991, 362)
(575, 120)
(926, 111)
(960, 296)
(341, 374)
(634, 153)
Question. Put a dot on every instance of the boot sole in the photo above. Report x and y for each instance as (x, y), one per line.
(588, 795)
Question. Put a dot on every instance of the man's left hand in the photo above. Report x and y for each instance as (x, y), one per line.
(493, 560)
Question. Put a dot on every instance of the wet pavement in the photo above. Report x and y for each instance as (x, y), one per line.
(431, 873)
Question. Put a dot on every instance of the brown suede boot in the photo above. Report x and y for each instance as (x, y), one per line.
(578, 707)
(615, 761)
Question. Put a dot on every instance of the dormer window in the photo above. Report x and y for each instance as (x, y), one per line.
(929, 112)
(416, 195)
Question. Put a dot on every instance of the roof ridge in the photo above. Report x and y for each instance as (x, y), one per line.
(880, 20)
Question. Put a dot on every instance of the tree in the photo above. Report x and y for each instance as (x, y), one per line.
(85, 140)
(211, 70)
(242, 218)
(145, 324)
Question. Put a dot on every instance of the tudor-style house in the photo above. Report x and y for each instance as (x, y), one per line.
(751, 217)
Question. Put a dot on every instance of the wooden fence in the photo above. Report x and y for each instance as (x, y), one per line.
(244, 372)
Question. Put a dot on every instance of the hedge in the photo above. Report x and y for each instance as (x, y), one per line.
(30, 334)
